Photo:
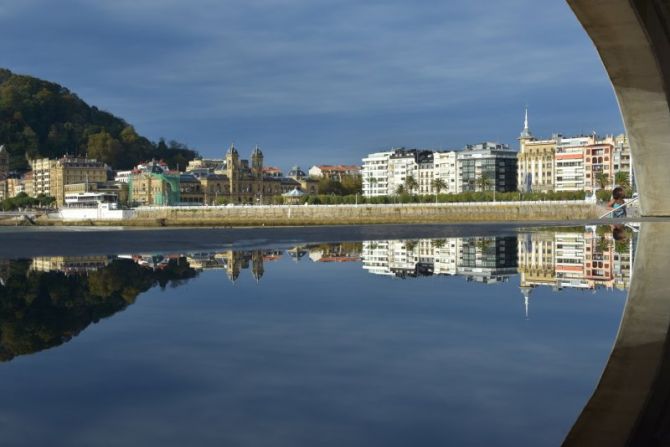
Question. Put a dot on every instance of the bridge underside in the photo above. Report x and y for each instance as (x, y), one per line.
(633, 39)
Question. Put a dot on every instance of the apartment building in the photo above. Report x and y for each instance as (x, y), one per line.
(487, 166)
(598, 166)
(51, 176)
(446, 170)
(334, 172)
(375, 174)
(569, 169)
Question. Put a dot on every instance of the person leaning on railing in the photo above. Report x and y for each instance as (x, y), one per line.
(617, 204)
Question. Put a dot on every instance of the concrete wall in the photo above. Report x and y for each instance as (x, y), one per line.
(359, 214)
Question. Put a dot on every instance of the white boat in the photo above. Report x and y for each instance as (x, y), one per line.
(92, 205)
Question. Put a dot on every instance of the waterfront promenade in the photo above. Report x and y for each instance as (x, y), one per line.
(300, 215)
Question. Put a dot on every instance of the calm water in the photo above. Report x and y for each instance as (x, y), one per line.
(471, 341)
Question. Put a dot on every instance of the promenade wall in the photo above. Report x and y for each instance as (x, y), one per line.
(277, 215)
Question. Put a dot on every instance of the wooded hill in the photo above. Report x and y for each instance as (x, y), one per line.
(43, 119)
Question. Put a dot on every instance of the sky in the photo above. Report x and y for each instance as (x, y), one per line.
(319, 81)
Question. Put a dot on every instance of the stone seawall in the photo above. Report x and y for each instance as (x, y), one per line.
(355, 214)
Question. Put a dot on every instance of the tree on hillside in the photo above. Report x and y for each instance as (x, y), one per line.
(43, 119)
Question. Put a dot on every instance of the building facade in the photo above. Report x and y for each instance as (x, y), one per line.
(487, 167)
(50, 176)
(334, 172)
(535, 161)
(375, 174)
(569, 167)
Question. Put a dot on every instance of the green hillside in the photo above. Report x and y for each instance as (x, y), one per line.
(43, 119)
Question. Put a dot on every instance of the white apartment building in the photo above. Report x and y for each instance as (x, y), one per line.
(446, 169)
(569, 163)
(384, 172)
(570, 260)
(375, 174)
(402, 164)
(425, 173)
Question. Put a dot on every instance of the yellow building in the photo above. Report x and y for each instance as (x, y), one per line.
(535, 162)
(536, 259)
(51, 176)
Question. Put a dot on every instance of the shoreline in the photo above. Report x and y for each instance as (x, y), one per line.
(320, 215)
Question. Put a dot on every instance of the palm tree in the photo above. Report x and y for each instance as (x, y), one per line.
(400, 190)
(622, 179)
(410, 183)
(483, 181)
(603, 180)
(438, 185)
(410, 245)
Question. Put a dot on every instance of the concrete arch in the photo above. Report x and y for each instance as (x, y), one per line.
(633, 40)
(631, 404)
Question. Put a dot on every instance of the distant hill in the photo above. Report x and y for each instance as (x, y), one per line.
(43, 119)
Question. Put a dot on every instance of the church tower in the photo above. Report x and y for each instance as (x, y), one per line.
(526, 134)
(257, 162)
(524, 160)
(257, 265)
(233, 170)
(4, 162)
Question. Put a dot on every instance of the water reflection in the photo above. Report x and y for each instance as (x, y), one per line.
(46, 301)
(387, 342)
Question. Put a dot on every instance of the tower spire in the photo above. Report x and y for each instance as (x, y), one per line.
(525, 133)
(525, 121)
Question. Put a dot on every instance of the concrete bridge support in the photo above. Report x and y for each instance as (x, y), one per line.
(633, 39)
(631, 404)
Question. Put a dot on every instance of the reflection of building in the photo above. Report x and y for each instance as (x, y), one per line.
(5, 266)
(342, 252)
(582, 259)
(233, 262)
(537, 263)
(488, 259)
(69, 264)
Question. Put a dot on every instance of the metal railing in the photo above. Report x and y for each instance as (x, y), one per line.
(625, 205)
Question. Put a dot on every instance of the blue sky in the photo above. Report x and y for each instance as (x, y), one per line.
(318, 81)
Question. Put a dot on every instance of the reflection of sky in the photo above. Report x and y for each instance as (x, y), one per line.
(318, 355)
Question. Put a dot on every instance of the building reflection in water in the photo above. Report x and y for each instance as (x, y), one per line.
(47, 300)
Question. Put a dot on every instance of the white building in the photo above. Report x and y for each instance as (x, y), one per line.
(402, 164)
(122, 176)
(569, 163)
(375, 174)
(385, 172)
(446, 169)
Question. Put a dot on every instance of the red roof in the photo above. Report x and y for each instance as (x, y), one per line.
(342, 168)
